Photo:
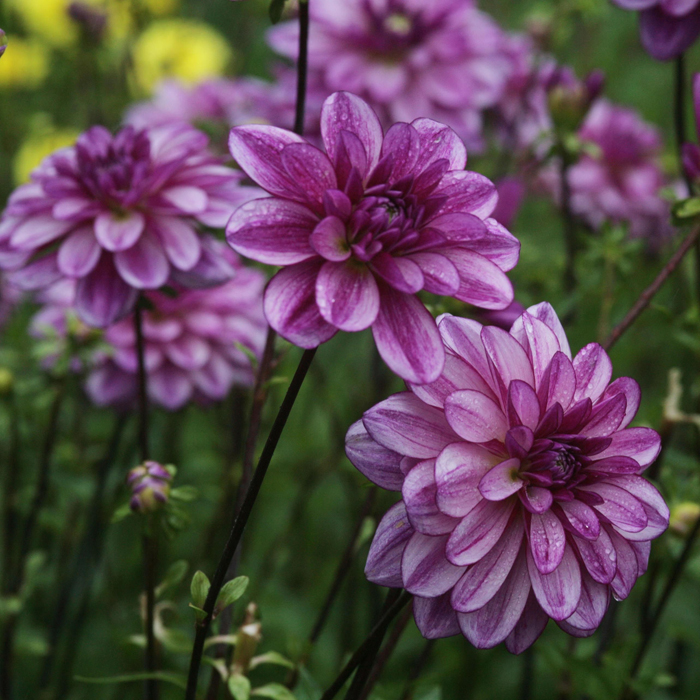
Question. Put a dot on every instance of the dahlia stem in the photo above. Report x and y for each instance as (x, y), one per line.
(10, 493)
(417, 669)
(302, 66)
(368, 646)
(570, 233)
(679, 120)
(242, 519)
(528, 674)
(150, 545)
(648, 294)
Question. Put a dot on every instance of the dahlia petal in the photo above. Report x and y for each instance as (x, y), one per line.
(502, 481)
(424, 568)
(291, 309)
(598, 556)
(545, 313)
(402, 274)
(541, 345)
(593, 372)
(490, 625)
(437, 142)
(379, 464)
(38, 274)
(616, 465)
(402, 144)
(464, 228)
(500, 246)
(478, 532)
(536, 499)
(558, 383)
(591, 609)
(272, 231)
(547, 541)
(108, 385)
(170, 387)
(641, 444)
(475, 417)
(186, 198)
(435, 617)
(343, 111)
(37, 231)
(310, 169)
(161, 330)
(419, 494)
(627, 567)
(483, 283)
(439, 274)
(582, 519)
(655, 508)
(79, 253)
(102, 297)
(214, 380)
(522, 400)
(257, 148)
(666, 37)
(212, 268)
(189, 352)
(350, 161)
(642, 551)
(179, 240)
(480, 583)
(329, 239)
(509, 358)
(144, 265)
(530, 626)
(115, 233)
(468, 192)
(384, 559)
(518, 441)
(630, 390)
(407, 337)
(404, 424)
(72, 208)
(619, 506)
(606, 417)
(559, 592)
(458, 470)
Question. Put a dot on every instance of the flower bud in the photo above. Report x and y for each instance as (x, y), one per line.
(91, 21)
(150, 486)
(569, 99)
(3, 42)
(683, 517)
(248, 637)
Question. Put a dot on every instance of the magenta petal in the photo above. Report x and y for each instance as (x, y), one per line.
(189, 352)
(523, 406)
(458, 471)
(559, 592)
(215, 378)
(186, 198)
(170, 387)
(478, 532)
(38, 274)
(419, 494)
(541, 344)
(439, 274)
(666, 37)
(402, 144)
(179, 240)
(591, 608)
(619, 506)
(402, 274)
(404, 424)
(437, 142)
(272, 231)
(598, 557)
(468, 192)
(435, 617)
(384, 559)
(407, 337)
(37, 231)
(310, 170)
(530, 626)
(102, 297)
(547, 541)
(652, 501)
(78, 253)
(582, 519)
(329, 239)
(144, 265)
(641, 444)
(291, 309)
(116, 233)
(627, 567)
(630, 390)
(536, 499)
(482, 581)
(606, 417)
(475, 417)
(347, 295)
(593, 372)
(379, 464)
(545, 313)
(558, 383)
(502, 481)
(424, 568)
(490, 625)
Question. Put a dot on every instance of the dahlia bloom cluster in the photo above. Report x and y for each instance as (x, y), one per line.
(691, 151)
(667, 27)
(121, 214)
(362, 228)
(442, 59)
(522, 498)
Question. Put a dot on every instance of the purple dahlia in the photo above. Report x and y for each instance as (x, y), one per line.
(522, 494)
(121, 214)
(691, 152)
(667, 27)
(362, 228)
(408, 58)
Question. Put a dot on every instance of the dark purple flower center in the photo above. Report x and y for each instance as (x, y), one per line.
(554, 463)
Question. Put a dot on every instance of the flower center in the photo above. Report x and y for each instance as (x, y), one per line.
(553, 463)
(398, 23)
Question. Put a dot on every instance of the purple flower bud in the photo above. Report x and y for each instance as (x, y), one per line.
(92, 22)
(569, 98)
(150, 486)
(691, 161)
(3, 42)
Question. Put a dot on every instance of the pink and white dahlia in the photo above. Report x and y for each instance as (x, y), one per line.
(408, 58)
(522, 494)
(362, 228)
(667, 27)
(121, 214)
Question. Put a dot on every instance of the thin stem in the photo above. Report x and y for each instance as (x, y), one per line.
(10, 493)
(302, 66)
(528, 674)
(242, 519)
(570, 240)
(648, 294)
(417, 669)
(377, 632)
(142, 383)
(679, 114)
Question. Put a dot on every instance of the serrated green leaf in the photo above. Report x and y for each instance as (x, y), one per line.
(276, 691)
(177, 679)
(231, 592)
(275, 11)
(199, 588)
(174, 575)
(271, 657)
(239, 687)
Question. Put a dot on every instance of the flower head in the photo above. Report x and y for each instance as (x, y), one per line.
(667, 27)
(362, 228)
(150, 486)
(522, 498)
(120, 214)
(442, 59)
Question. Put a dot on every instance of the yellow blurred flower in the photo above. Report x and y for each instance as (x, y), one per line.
(43, 140)
(25, 64)
(160, 7)
(186, 49)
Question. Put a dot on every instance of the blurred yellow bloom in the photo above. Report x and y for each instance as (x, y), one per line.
(25, 64)
(160, 7)
(186, 49)
(42, 141)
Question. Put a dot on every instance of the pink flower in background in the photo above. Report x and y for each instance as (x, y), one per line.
(121, 214)
(362, 228)
(667, 27)
(408, 58)
(522, 498)
(691, 152)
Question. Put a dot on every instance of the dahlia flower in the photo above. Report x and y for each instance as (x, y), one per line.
(120, 214)
(443, 59)
(691, 152)
(362, 228)
(667, 27)
(522, 494)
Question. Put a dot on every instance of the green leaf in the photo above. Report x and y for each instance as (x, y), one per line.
(174, 575)
(276, 691)
(239, 687)
(276, 9)
(184, 493)
(201, 614)
(687, 209)
(122, 512)
(272, 657)
(177, 679)
(231, 592)
(199, 588)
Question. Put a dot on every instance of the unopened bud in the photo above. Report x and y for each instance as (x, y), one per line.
(247, 639)
(150, 486)
(569, 99)
(683, 517)
(92, 22)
